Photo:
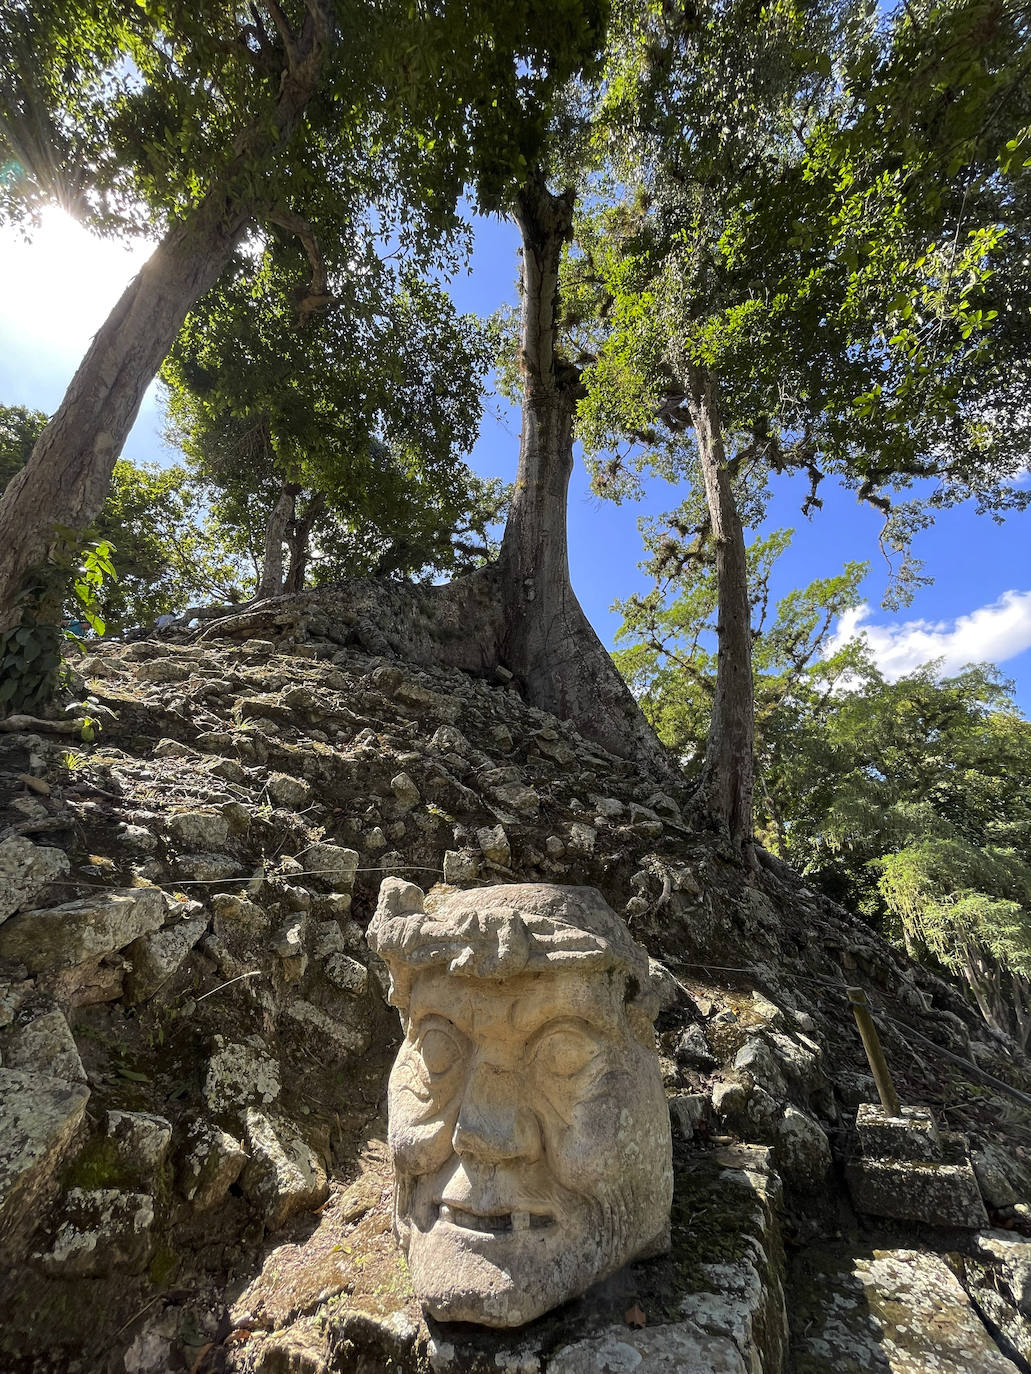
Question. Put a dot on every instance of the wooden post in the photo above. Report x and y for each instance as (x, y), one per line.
(874, 1053)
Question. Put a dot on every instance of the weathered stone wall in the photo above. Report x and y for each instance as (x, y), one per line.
(194, 1040)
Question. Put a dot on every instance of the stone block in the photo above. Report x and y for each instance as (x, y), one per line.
(238, 1074)
(199, 830)
(103, 1230)
(45, 1045)
(25, 870)
(331, 866)
(38, 1119)
(156, 957)
(211, 1163)
(913, 1135)
(933, 1193)
(460, 866)
(64, 936)
(687, 1112)
(140, 1140)
(284, 1174)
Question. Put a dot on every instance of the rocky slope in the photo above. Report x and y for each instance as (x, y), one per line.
(194, 1042)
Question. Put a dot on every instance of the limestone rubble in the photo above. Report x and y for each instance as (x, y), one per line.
(194, 1037)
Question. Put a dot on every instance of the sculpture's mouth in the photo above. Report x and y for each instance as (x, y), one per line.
(494, 1222)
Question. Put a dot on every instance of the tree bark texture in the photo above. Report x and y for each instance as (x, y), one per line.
(298, 542)
(547, 639)
(727, 783)
(270, 583)
(66, 479)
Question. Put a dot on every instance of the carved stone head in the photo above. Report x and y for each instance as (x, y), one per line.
(528, 1124)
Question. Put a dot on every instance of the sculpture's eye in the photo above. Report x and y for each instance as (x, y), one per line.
(564, 1051)
(440, 1050)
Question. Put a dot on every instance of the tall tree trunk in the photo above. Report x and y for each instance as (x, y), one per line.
(298, 541)
(66, 479)
(270, 583)
(547, 640)
(727, 783)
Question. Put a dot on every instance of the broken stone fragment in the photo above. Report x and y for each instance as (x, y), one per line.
(693, 1048)
(284, 1175)
(495, 846)
(1001, 1179)
(102, 1230)
(239, 1074)
(138, 838)
(173, 749)
(64, 936)
(162, 670)
(687, 1112)
(140, 1140)
(730, 1103)
(1010, 1253)
(326, 938)
(299, 698)
(330, 866)
(198, 830)
(460, 866)
(234, 910)
(45, 1045)
(292, 793)
(288, 943)
(38, 1119)
(207, 868)
(582, 838)
(211, 1163)
(387, 678)
(155, 958)
(347, 974)
(803, 1151)
(523, 800)
(405, 790)
(236, 814)
(25, 870)
(328, 1033)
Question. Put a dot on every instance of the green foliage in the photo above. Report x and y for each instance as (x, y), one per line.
(94, 571)
(19, 430)
(909, 801)
(171, 552)
(912, 801)
(671, 661)
(801, 204)
(365, 409)
(31, 650)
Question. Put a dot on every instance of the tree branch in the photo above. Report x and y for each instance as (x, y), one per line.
(316, 295)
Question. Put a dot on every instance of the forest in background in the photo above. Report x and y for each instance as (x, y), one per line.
(757, 239)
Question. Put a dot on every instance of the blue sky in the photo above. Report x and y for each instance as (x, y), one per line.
(55, 291)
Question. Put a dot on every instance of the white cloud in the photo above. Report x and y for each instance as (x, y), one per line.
(991, 634)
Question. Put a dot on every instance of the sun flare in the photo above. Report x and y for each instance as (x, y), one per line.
(57, 287)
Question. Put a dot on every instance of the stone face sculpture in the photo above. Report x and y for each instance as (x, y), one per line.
(528, 1123)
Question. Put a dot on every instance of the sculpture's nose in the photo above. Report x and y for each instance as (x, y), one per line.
(494, 1121)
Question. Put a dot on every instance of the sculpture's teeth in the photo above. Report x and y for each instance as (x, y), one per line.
(520, 1221)
(445, 1212)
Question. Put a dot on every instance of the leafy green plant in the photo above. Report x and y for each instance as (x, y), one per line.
(31, 650)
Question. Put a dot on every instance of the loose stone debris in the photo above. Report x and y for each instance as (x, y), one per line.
(195, 1038)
